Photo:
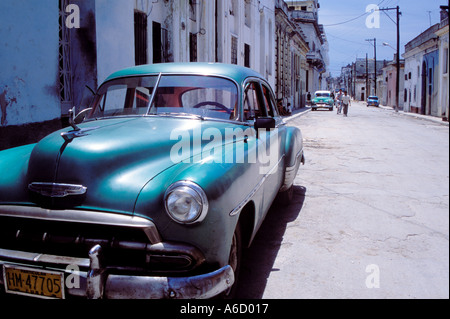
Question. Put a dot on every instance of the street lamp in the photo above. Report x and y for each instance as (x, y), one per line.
(388, 45)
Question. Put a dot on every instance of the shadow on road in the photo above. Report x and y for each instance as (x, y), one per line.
(258, 260)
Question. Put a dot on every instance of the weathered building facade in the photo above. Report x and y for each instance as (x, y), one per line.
(290, 57)
(389, 93)
(52, 49)
(442, 33)
(305, 15)
(421, 60)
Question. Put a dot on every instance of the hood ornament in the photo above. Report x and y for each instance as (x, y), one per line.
(76, 132)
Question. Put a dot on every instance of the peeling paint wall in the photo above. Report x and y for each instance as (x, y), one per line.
(28, 62)
(115, 36)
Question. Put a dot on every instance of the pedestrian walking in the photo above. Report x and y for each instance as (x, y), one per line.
(308, 98)
(339, 101)
(346, 102)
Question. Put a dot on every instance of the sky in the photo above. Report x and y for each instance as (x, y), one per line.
(347, 31)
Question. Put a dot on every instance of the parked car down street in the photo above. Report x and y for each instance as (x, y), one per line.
(373, 101)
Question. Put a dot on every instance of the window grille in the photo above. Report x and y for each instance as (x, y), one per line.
(65, 71)
(192, 47)
(234, 50)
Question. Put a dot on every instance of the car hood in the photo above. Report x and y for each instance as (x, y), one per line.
(115, 158)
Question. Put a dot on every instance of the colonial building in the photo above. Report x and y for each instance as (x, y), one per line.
(305, 14)
(389, 92)
(421, 76)
(442, 33)
(364, 77)
(52, 49)
(290, 57)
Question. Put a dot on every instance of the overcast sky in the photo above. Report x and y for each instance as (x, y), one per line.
(346, 30)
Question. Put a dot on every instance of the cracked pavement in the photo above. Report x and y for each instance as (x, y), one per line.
(374, 191)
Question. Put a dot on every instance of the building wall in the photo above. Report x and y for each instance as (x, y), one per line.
(444, 63)
(115, 36)
(29, 62)
(105, 42)
(413, 83)
(390, 75)
(422, 63)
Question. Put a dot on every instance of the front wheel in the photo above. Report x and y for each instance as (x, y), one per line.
(234, 261)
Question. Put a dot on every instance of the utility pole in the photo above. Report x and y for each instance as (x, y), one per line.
(367, 79)
(375, 58)
(398, 55)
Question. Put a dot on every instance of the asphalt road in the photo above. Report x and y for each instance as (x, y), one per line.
(370, 218)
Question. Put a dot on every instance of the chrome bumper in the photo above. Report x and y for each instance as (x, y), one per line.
(96, 283)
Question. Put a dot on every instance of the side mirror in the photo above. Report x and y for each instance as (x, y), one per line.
(264, 123)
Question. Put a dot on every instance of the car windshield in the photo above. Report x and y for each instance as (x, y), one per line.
(168, 95)
(322, 94)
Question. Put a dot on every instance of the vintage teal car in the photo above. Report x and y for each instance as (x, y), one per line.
(152, 192)
(322, 99)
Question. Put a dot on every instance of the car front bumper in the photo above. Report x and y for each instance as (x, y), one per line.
(94, 282)
(322, 105)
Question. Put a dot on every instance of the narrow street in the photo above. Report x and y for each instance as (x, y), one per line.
(370, 215)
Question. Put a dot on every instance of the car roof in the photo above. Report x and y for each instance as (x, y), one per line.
(323, 92)
(235, 72)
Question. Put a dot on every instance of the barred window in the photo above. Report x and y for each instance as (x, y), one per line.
(192, 47)
(234, 49)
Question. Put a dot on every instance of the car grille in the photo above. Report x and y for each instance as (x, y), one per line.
(126, 249)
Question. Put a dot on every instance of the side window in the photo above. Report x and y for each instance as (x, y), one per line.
(269, 102)
(251, 104)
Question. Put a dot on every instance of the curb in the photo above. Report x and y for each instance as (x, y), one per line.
(436, 120)
(297, 114)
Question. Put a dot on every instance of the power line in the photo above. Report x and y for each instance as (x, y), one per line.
(353, 19)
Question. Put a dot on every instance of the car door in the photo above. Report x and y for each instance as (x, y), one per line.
(274, 145)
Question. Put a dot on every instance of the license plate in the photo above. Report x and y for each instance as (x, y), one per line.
(33, 282)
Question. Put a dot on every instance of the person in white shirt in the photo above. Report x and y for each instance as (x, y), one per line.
(346, 102)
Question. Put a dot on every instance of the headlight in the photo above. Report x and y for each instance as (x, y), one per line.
(186, 202)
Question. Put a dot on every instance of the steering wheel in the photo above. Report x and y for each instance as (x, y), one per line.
(213, 103)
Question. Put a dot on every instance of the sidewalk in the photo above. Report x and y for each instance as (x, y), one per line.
(299, 112)
(418, 116)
